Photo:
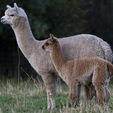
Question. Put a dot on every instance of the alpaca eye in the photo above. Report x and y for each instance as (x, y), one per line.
(12, 15)
(47, 44)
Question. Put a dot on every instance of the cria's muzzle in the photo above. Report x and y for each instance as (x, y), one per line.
(43, 47)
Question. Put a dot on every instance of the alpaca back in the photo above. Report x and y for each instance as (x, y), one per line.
(83, 46)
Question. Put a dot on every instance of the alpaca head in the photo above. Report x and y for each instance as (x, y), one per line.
(14, 15)
(50, 43)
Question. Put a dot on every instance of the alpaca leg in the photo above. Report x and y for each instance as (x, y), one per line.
(89, 93)
(107, 90)
(107, 95)
(78, 92)
(48, 99)
(50, 83)
(75, 93)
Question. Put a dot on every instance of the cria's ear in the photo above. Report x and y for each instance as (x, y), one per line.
(8, 6)
(52, 38)
(51, 35)
(15, 6)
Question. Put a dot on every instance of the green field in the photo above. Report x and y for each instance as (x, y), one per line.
(30, 97)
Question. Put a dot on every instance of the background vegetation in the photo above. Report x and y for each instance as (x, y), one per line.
(60, 17)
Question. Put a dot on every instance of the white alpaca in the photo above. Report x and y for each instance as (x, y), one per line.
(74, 47)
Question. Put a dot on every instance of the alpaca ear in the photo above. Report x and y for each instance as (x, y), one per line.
(8, 6)
(15, 6)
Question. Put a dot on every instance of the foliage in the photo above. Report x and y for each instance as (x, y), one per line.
(64, 17)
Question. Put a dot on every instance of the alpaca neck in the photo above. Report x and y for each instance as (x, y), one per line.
(24, 37)
(57, 57)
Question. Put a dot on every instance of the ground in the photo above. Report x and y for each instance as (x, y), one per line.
(30, 97)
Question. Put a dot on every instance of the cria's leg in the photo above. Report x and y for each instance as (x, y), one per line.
(101, 96)
(98, 80)
(107, 95)
(89, 93)
(50, 83)
(75, 93)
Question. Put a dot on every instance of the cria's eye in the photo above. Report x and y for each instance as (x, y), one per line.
(12, 15)
(47, 44)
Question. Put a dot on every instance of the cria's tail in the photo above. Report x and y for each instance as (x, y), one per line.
(110, 68)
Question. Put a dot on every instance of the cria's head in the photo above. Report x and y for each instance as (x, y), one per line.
(50, 43)
(13, 15)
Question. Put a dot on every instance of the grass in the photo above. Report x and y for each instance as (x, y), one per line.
(30, 97)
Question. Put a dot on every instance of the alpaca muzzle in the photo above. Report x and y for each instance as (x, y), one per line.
(3, 20)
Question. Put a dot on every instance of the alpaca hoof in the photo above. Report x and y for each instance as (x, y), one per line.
(51, 107)
(75, 105)
(48, 108)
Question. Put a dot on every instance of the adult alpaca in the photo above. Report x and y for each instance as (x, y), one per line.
(83, 71)
(73, 47)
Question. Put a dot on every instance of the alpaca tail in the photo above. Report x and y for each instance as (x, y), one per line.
(110, 68)
(108, 55)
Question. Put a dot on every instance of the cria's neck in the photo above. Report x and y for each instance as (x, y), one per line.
(58, 57)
